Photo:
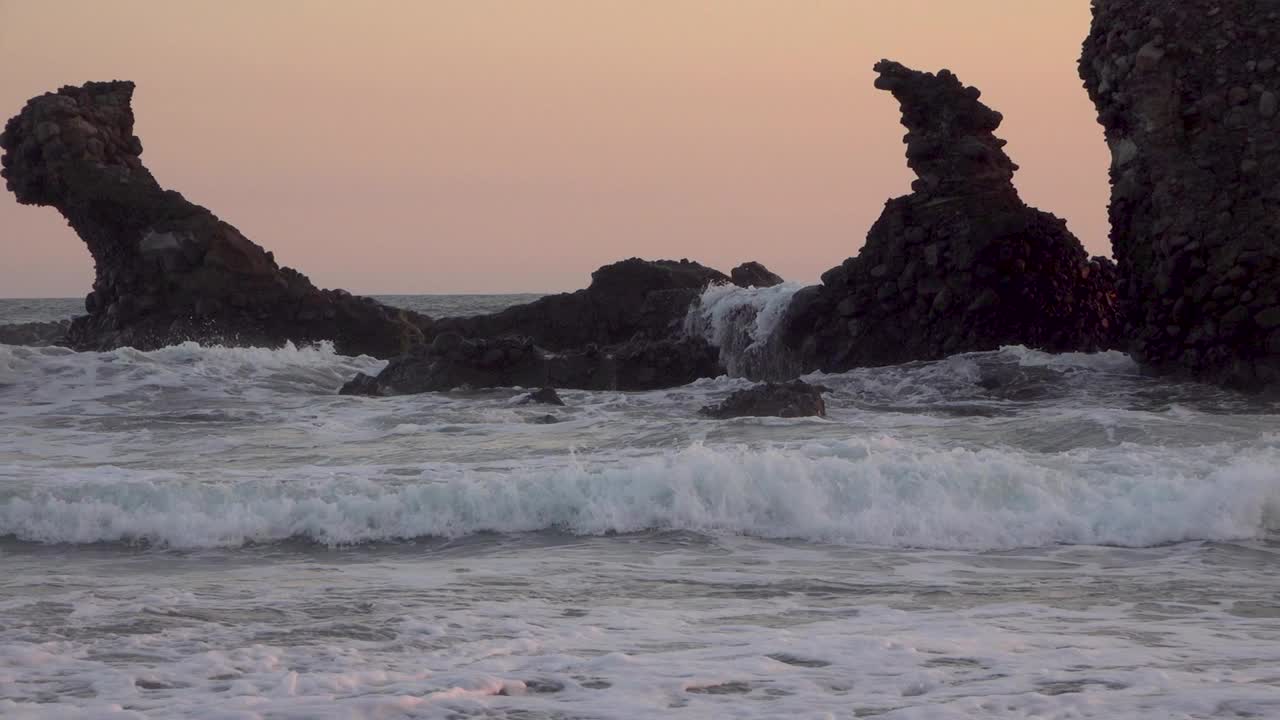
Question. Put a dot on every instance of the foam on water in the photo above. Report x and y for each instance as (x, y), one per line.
(1008, 534)
(878, 491)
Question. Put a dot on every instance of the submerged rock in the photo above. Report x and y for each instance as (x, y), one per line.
(753, 274)
(167, 269)
(544, 396)
(785, 400)
(1186, 92)
(40, 334)
(959, 265)
(452, 361)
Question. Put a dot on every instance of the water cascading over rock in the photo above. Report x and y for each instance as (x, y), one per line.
(961, 264)
(1188, 92)
(168, 270)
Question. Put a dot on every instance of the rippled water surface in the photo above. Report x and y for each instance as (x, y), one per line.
(211, 532)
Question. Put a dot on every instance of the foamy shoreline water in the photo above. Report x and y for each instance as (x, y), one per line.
(213, 532)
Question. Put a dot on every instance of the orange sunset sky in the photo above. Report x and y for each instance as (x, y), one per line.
(485, 146)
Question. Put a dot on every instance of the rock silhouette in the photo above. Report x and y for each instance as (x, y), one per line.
(959, 265)
(1187, 94)
(168, 270)
(753, 274)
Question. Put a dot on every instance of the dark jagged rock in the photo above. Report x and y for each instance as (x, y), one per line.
(40, 334)
(452, 361)
(753, 274)
(786, 400)
(1187, 91)
(169, 270)
(544, 396)
(959, 265)
(626, 300)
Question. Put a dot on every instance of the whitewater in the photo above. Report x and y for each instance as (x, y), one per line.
(207, 532)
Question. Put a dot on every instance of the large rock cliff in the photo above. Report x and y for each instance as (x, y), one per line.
(961, 264)
(168, 270)
(1188, 92)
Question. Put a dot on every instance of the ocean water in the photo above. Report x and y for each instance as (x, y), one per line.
(202, 532)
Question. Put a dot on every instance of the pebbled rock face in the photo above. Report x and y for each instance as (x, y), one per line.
(168, 270)
(626, 300)
(753, 274)
(961, 264)
(452, 361)
(786, 400)
(1187, 92)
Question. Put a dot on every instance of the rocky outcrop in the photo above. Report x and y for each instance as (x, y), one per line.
(40, 334)
(452, 361)
(627, 300)
(785, 400)
(961, 264)
(753, 274)
(1187, 92)
(168, 270)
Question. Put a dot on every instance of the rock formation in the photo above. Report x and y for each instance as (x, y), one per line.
(452, 361)
(961, 264)
(753, 274)
(1187, 92)
(786, 400)
(625, 301)
(169, 270)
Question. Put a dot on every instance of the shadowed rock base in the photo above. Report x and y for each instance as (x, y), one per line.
(785, 400)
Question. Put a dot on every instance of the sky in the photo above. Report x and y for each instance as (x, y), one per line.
(450, 146)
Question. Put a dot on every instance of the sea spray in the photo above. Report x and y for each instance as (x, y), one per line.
(742, 323)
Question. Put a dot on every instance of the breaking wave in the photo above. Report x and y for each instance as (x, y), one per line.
(878, 491)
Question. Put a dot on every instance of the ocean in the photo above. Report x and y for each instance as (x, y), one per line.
(206, 532)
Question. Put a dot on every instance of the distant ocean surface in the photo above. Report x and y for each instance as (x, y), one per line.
(204, 532)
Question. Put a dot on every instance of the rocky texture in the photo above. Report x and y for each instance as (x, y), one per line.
(452, 361)
(628, 300)
(544, 396)
(753, 274)
(961, 264)
(35, 333)
(786, 400)
(1186, 91)
(169, 270)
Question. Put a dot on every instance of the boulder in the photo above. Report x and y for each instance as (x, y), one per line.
(959, 265)
(168, 270)
(786, 400)
(41, 334)
(1186, 94)
(753, 274)
(452, 361)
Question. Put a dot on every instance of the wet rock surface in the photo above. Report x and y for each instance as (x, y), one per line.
(452, 362)
(785, 400)
(959, 265)
(753, 274)
(40, 334)
(1187, 94)
(168, 270)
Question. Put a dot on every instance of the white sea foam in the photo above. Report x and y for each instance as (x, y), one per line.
(742, 322)
(879, 492)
